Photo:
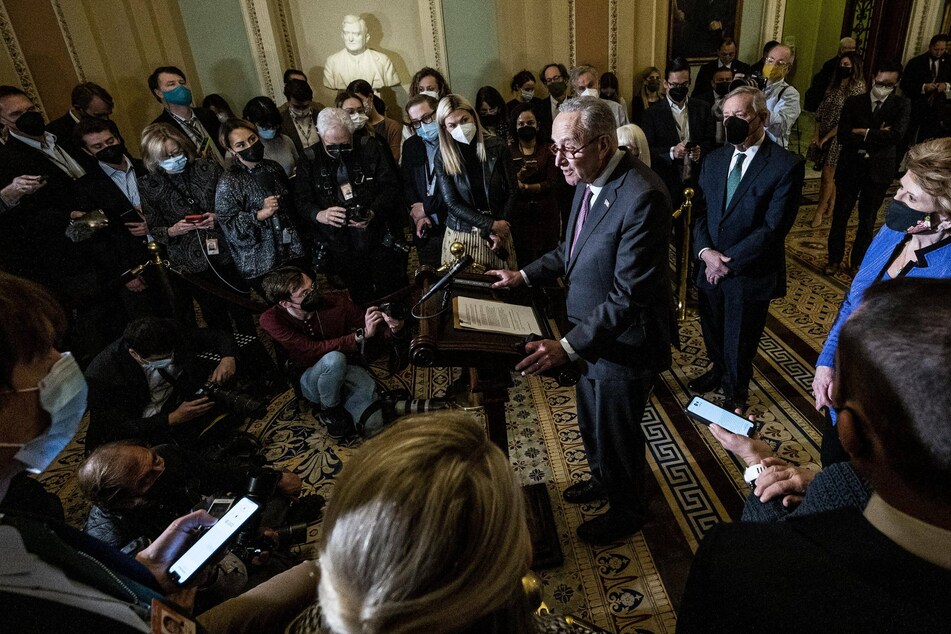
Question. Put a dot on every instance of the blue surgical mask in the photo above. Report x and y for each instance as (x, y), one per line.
(158, 364)
(63, 396)
(178, 96)
(174, 164)
(267, 133)
(429, 132)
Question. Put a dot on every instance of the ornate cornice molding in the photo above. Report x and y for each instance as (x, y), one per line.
(438, 41)
(68, 39)
(612, 36)
(286, 38)
(20, 66)
(572, 53)
(257, 41)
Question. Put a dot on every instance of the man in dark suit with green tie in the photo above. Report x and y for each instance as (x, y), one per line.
(749, 196)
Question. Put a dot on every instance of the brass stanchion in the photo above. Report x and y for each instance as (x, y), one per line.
(685, 210)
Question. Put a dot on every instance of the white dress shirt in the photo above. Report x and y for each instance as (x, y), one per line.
(55, 153)
(125, 180)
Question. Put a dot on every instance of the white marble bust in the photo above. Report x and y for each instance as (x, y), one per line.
(356, 61)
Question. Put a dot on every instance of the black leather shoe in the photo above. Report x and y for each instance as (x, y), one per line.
(609, 527)
(338, 422)
(584, 491)
(706, 382)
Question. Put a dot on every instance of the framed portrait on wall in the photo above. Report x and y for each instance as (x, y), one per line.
(698, 26)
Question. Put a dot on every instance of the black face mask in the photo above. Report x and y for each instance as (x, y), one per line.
(721, 88)
(338, 151)
(527, 133)
(111, 154)
(31, 123)
(557, 89)
(489, 120)
(312, 300)
(736, 130)
(901, 217)
(678, 93)
(842, 72)
(253, 153)
(653, 84)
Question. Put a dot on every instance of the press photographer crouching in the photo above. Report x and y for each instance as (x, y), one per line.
(149, 385)
(328, 339)
(352, 194)
(137, 492)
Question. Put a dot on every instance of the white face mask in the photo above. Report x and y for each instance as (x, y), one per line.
(431, 93)
(464, 133)
(223, 116)
(63, 396)
(589, 92)
(528, 95)
(359, 120)
(881, 92)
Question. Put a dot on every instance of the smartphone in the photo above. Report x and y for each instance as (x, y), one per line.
(704, 412)
(213, 541)
(193, 218)
(130, 215)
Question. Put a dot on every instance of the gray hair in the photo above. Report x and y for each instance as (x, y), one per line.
(847, 41)
(425, 532)
(792, 53)
(596, 117)
(330, 119)
(575, 73)
(759, 97)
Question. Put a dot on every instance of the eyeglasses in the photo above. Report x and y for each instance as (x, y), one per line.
(572, 152)
(418, 123)
(781, 63)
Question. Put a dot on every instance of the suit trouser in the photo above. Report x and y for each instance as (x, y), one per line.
(610, 412)
(853, 186)
(732, 327)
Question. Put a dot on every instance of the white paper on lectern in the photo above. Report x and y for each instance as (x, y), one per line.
(488, 316)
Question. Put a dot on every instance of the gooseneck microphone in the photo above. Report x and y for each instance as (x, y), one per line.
(460, 264)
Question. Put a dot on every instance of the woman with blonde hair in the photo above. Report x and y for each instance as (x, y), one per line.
(632, 138)
(477, 179)
(178, 201)
(426, 532)
(648, 89)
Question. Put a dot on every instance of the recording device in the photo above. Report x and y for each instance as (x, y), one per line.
(265, 179)
(213, 541)
(355, 214)
(704, 412)
(392, 242)
(235, 402)
(567, 375)
(755, 80)
(456, 269)
(194, 218)
(260, 489)
(321, 257)
(502, 253)
(130, 215)
(396, 310)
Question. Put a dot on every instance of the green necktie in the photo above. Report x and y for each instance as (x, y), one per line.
(733, 181)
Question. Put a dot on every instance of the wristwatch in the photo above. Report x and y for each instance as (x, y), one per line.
(359, 335)
(752, 472)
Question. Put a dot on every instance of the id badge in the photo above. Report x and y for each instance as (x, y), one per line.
(347, 191)
(211, 246)
(166, 620)
(285, 236)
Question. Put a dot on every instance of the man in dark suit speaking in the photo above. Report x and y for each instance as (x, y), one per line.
(748, 203)
(884, 569)
(614, 262)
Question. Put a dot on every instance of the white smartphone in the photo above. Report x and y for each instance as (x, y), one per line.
(705, 412)
(211, 542)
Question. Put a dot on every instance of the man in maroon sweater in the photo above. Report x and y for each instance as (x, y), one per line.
(325, 337)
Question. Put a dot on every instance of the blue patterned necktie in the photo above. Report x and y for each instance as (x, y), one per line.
(733, 181)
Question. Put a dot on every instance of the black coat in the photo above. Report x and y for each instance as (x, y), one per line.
(660, 128)
(206, 117)
(500, 183)
(702, 89)
(62, 129)
(414, 167)
(877, 151)
(119, 391)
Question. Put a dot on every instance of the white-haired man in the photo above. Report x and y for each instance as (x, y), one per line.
(782, 99)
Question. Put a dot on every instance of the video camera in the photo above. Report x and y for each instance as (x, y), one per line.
(355, 214)
(755, 80)
(235, 402)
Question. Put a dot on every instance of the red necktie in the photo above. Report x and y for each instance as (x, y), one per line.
(582, 214)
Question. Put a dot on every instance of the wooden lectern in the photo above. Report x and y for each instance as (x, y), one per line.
(490, 359)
